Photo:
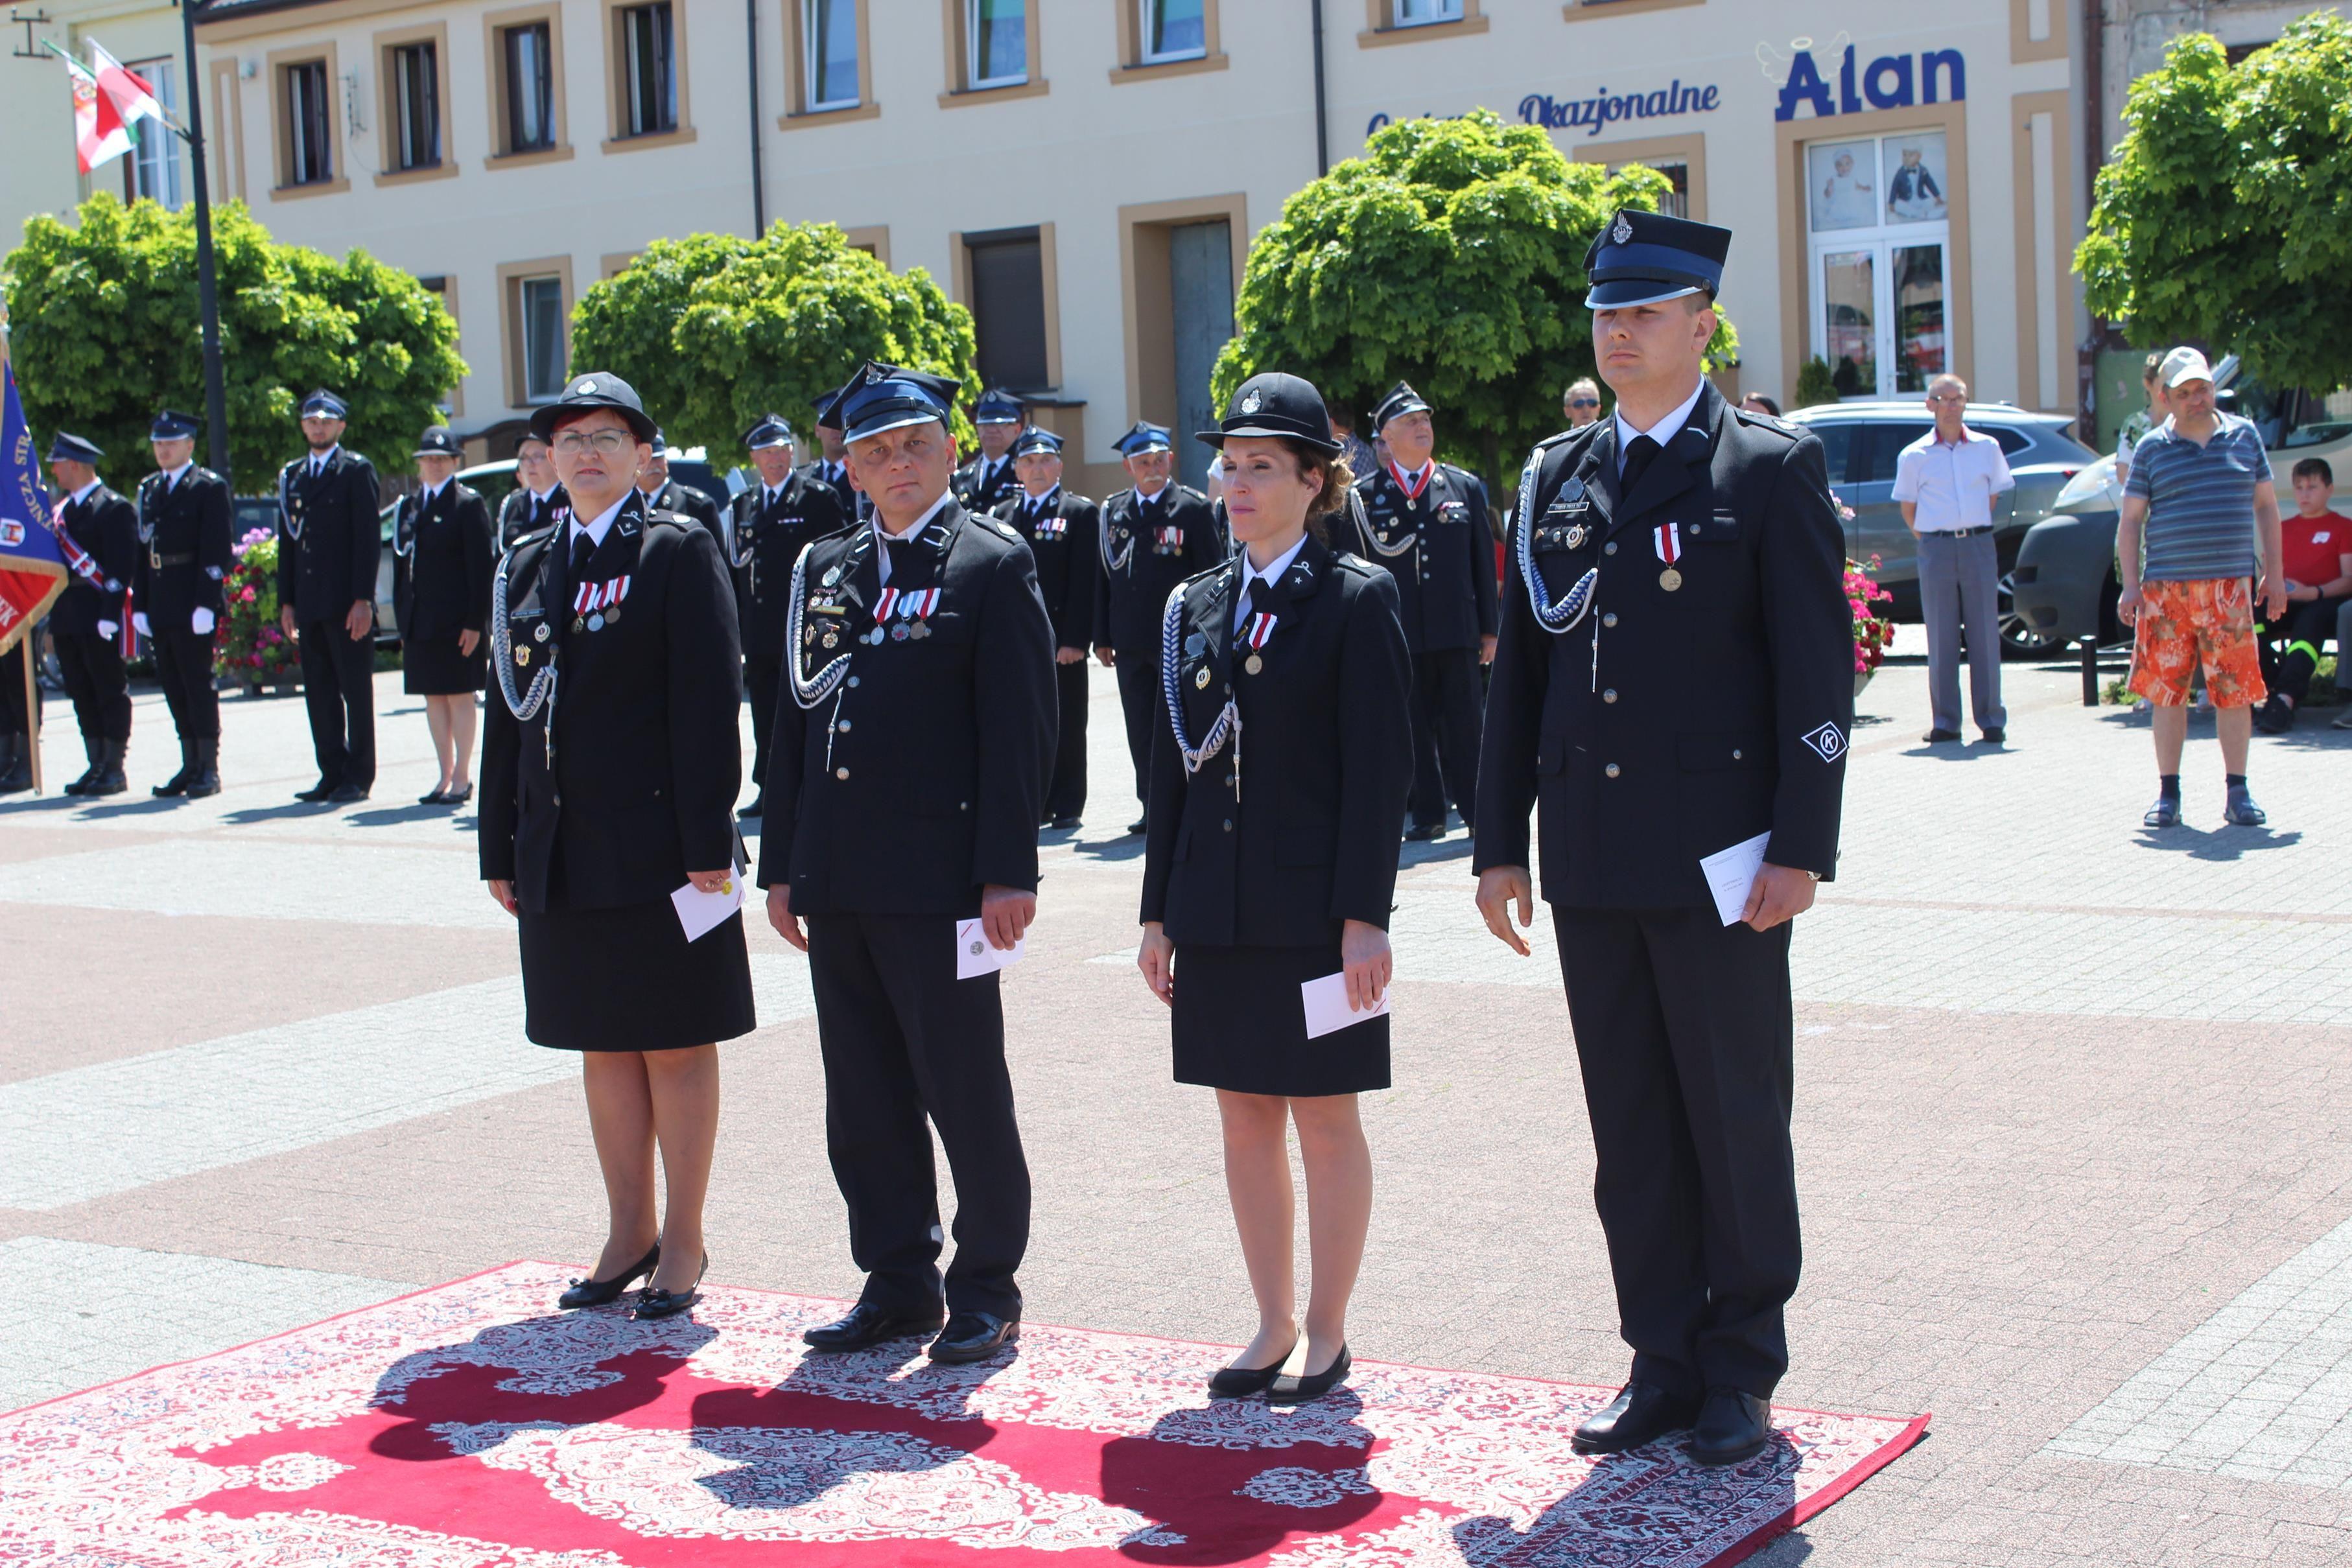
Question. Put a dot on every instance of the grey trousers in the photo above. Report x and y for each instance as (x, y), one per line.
(1960, 586)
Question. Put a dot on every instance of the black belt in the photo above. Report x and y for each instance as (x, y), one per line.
(187, 557)
(1960, 533)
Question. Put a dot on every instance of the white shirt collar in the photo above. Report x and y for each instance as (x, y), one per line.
(318, 460)
(1666, 429)
(425, 496)
(171, 476)
(1032, 503)
(1143, 495)
(540, 496)
(75, 499)
(884, 535)
(1272, 574)
(601, 525)
(1412, 477)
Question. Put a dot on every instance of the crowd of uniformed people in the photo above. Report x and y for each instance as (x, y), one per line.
(1666, 660)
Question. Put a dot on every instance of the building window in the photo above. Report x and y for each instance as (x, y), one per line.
(309, 124)
(539, 317)
(1421, 13)
(832, 36)
(648, 69)
(1173, 30)
(415, 108)
(1008, 306)
(1879, 233)
(529, 66)
(1674, 203)
(996, 33)
(444, 290)
(154, 170)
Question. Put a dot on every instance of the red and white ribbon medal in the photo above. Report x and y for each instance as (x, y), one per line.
(1255, 633)
(915, 613)
(884, 603)
(596, 605)
(1669, 540)
(1412, 487)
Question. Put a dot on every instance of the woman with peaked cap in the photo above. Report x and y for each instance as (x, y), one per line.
(620, 676)
(1279, 772)
(442, 545)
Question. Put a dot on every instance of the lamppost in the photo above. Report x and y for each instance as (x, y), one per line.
(207, 286)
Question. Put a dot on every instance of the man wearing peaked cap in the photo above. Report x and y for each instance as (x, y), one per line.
(1425, 521)
(329, 546)
(664, 494)
(176, 596)
(830, 466)
(988, 479)
(1675, 681)
(100, 531)
(1061, 528)
(771, 523)
(1153, 535)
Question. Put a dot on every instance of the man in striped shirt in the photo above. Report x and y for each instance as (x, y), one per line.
(2200, 493)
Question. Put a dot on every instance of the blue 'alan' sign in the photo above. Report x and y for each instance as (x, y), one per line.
(1890, 81)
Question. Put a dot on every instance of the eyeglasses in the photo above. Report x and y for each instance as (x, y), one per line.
(1946, 397)
(1584, 403)
(605, 443)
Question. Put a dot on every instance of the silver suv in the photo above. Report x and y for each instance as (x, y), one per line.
(1862, 441)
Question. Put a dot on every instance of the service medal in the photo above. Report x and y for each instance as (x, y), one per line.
(539, 633)
(921, 630)
(831, 640)
(580, 624)
(1576, 536)
(596, 621)
(1571, 488)
(613, 616)
(1670, 579)
(1254, 663)
(898, 633)
(522, 655)
(832, 576)
(1668, 539)
(1201, 680)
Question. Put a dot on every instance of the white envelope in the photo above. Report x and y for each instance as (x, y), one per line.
(700, 913)
(1731, 873)
(975, 955)
(1327, 1005)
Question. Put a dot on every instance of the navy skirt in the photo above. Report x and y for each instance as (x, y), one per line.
(1240, 1024)
(627, 979)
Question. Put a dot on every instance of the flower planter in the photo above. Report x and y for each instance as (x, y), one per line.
(1861, 679)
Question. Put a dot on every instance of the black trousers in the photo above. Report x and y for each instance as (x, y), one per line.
(903, 1038)
(1685, 1036)
(1447, 710)
(764, 679)
(184, 664)
(339, 684)
(1139, 698)
(15, 719)
(1065, 793)
(98, 683)
(2290, 646)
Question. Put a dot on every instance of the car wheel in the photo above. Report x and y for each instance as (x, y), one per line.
(2018, 641)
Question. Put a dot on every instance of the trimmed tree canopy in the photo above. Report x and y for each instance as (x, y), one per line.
(105, 331)
(2225, 215)
(715, 331)
(1450, 255)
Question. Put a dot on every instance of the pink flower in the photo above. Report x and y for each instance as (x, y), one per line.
(249, 596)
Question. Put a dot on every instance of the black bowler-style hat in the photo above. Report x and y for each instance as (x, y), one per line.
(438, 441)
(170, 425)
(774, 429)
(1037, 438)
(884, 397)
(595, 388)
(324, 404)
(1642, 258)
(66, 448)
(1402, 400)
(1276, 404)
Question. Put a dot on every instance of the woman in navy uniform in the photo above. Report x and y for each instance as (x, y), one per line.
(100, 531)
(609, 775)
(441, 592)
(1676, 680)
(912, 741)
(327, 558)
(184, 553)
(1279, 771)
(1061, 530)
(537, 501)
(772, 521)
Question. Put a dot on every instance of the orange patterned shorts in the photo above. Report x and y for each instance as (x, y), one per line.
(2210, 619)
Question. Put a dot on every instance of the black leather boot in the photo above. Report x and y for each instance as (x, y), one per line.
(92, 749)
(205, 775)
(177, 784)
(110, 779)
(15, 764)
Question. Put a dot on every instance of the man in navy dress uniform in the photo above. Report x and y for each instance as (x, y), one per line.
(1675, 681)
(185, 556)
(664, 494)
(331, 540)
(772, 521)
(101, 530)
(988, 480)
(830, 466)
(1061, 530)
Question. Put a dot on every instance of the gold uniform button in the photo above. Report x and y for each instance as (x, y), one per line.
(1610, 695)
(1611, 770)
(841, 773)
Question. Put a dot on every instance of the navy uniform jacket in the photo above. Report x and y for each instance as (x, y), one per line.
(974, 494)
(184, 548)
(1068, 560)
(815, 474)
(919, 777)
(1703, 717)
(648, 758)
(685, 501)
(1144, 552)
(518, 515)
(1440, 551)
(767, 541)
(1325, 760)
(441, 570)
(330, 535)
(106, 526)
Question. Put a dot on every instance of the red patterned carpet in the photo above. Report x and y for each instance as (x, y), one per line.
(471, 1425)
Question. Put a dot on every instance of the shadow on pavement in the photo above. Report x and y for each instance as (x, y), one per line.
(274, 813)
(2216, 845)
(386, 816)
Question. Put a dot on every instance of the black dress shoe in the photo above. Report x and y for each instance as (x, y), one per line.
(757, 807)
(654, 1302)
(1068, 822)
(1996, 735)
(345, 794)
(460, 796)
(1424, 833)
(316, 792)
(1287, 1390)
(603, 1292)
(1731, 1426)
(974, 1336)
(870, 1325)
(1137, 825)
(1241, 1382)
(1937, 736)
(1642, 1413)
(432, 798)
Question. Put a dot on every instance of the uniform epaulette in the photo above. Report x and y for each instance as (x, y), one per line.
(1002, 527)
(1349, 561)
(1196, 495)
(675, 519)
(1787, 427)
(1205, 573)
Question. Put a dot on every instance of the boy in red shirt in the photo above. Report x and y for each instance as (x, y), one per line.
(2317, 548)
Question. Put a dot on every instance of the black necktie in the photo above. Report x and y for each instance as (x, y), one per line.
(1638, 457)
(1257, 599)
(902, 559)
(583, 545)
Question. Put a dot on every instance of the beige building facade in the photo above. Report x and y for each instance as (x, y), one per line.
(37, 171)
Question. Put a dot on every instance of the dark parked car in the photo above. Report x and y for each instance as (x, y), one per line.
(1862, 441)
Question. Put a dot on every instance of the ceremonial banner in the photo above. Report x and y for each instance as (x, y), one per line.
(32, 568)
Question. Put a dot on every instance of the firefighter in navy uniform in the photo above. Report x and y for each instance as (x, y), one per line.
(664, 494)
(329, 546)
(1061, 530)
(185, 551)
(100, 531)
(772, 522)
(1675, 679)
(1154, 535)
(988, 480)
(537, 503)
(1426, 522)
(912, 741)
(830, 466)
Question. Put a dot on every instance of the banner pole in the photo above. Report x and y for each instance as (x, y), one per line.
(25, 654)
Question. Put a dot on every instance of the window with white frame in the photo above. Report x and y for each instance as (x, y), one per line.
(1879, 243)
(154, 171)
(415, 106)
(309, 128)
(540, 302)
(1420, 13)
(830, 38)
(527, 62)
(1174, 30)
(996, 34)
(649, 69)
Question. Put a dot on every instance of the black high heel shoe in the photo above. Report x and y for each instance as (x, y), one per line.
(1299, 1390)
(1241, 1382)
(603, 1292)
(653, 1302)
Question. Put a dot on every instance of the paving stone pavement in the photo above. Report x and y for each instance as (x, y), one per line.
(2069, 1124)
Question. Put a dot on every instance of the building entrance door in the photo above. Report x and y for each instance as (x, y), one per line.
(1200, 289)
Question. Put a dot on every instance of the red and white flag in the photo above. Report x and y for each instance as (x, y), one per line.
(132, 98)
(100, 135)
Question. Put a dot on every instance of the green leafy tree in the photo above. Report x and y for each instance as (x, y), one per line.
(714, 331)
(105, 330)
(1451, 254)
(2222, 216)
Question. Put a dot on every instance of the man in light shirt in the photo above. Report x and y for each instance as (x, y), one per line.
(1946, 481)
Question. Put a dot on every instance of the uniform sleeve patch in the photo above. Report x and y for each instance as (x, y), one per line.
(1826, 743)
